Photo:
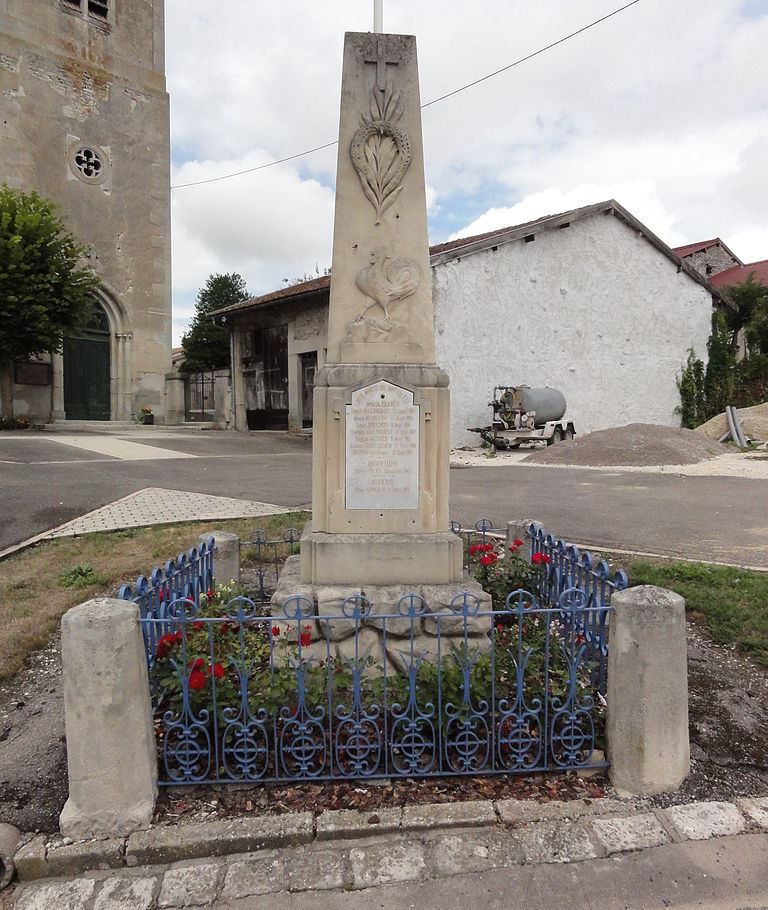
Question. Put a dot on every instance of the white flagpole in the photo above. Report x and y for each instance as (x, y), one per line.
(378, 16)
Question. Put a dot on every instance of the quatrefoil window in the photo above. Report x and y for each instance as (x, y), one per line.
(88, 162)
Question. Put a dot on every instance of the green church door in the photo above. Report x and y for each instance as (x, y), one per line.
(86, 371)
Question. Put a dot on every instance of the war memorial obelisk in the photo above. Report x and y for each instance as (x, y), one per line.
(381, 430)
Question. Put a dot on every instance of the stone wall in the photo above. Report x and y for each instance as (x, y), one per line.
(67, 82)
(592, 309)
(711, 261)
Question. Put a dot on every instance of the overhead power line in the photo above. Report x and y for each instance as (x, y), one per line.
(456, 91)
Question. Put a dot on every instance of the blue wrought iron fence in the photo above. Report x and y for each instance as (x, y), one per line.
(360, 693)
(421, 690)
(265, 558)
(187, 576)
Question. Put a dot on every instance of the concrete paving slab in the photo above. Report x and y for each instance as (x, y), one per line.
(190, 886)
(256, 875)
(699, 821)
(155, 506)
(382, 864)
(127, 893)
(71, 895)
(618, 835)
(556, 842)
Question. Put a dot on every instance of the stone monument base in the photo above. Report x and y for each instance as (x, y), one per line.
(328, 621)
(381, 559)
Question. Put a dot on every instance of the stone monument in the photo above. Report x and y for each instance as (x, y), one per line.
(380, 523)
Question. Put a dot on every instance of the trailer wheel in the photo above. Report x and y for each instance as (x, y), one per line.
(557, 436)
(569, 434)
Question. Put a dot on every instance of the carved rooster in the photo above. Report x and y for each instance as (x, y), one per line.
(386, 280)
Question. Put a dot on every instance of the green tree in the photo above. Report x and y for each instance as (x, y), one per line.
(690, 383)
(45, 287)
(721, 365)
(751, 299)
(206, 344)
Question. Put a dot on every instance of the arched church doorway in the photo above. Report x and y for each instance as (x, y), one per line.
(87, 369)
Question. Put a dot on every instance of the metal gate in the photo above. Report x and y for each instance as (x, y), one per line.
(199, 396)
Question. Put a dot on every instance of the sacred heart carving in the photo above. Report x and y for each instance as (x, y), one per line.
(381, 150)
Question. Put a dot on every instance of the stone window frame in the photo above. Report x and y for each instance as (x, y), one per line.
(75, 147)
(97, 12)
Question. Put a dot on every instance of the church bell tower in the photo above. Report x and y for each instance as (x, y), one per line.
(84, 121)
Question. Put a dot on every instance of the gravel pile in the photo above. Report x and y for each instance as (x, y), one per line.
(635, 444)
(754, 421)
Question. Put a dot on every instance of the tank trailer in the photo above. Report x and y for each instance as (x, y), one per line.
(522, 414)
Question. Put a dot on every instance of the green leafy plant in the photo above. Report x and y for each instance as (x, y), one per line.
(80, 576)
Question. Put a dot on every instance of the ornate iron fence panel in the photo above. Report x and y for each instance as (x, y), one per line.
(482, 532)
(264, 558)
(243, 696)
(187, 576)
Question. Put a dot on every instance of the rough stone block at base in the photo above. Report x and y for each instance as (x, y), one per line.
(563, 842)
(72, 859)
(348, 823)
(450, 599)
(618, 835)
(123, 893)
(393, 599)
(699, 821)
(430, 648)
(72, 895)
(190, 886)
(381, 559)
(30, 860)
(449, 815)
(459, 854)
(331, 601)
(254, 876)
(218, 838)
(384, 864)
(756, 809)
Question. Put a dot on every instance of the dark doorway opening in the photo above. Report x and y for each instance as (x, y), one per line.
(308, 370)
(86, 370)
(266, 380)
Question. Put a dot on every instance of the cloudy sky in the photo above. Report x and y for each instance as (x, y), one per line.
(663, 107)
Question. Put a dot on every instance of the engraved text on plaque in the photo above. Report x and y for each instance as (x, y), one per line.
(382, 448)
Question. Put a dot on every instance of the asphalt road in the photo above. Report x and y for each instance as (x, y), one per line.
(44, 483)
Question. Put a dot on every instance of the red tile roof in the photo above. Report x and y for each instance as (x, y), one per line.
(740, 273)
(696, 247)
(469, 245)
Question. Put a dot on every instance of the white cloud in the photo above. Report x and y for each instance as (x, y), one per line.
(661, 107)
(639, 197)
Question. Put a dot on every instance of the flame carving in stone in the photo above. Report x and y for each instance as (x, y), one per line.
(381, 150)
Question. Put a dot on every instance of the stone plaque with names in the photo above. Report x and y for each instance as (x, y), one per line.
(382, 448)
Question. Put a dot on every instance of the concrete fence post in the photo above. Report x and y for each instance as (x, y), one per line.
(647, 725)
(226, 558)
(111, 756)
(517, 529)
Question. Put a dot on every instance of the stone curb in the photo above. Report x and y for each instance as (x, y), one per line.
(541, 832)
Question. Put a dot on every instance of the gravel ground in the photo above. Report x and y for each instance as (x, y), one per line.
(729, 751)
(634, 444)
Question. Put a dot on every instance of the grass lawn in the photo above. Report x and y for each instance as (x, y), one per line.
(39, 585)
(731, 604)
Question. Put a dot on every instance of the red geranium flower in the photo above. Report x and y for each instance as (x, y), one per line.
(306, 639)
(475, 548)
(198, 626)
(197, 664)
(499, 627)
(178, 635)
(539, 559)
(517, 542)
(489, 559)
(218, 671)
(209, 594)
(275, 631)
(197, 680)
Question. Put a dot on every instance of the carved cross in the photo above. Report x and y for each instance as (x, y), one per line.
(382, 63)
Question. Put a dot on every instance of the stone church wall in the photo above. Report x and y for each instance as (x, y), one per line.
(70, 82)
